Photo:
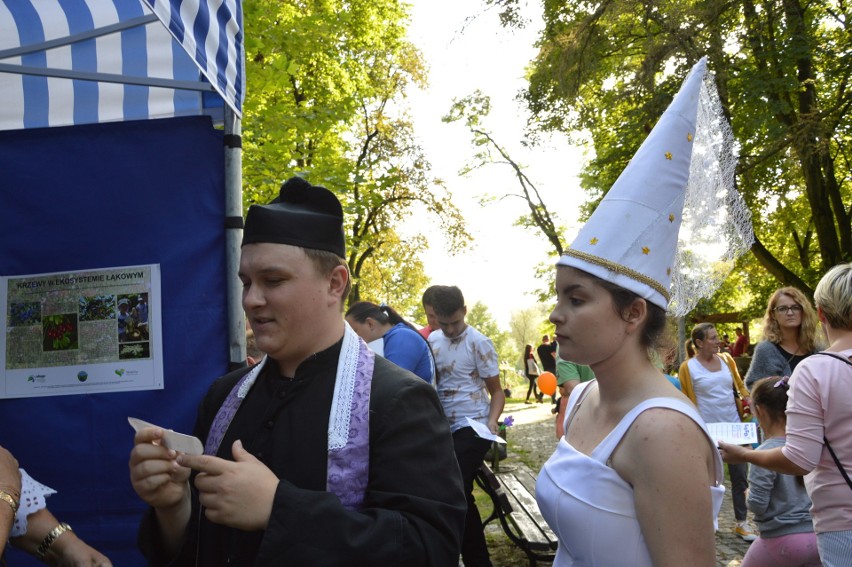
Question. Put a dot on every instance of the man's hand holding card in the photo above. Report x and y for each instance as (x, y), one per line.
(155, 474)
(172, 439)
(236, 493)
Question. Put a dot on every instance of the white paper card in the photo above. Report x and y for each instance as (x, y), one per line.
(172, 439)
(483, 431)
(734, 433)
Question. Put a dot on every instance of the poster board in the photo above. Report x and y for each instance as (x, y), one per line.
(81, 332)
(96, 197)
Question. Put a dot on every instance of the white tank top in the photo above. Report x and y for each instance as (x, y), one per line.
(591, 508)
(714, 393)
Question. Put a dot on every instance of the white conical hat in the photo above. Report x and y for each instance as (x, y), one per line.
(631, 239)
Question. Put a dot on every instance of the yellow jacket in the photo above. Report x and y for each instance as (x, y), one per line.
(686, 379)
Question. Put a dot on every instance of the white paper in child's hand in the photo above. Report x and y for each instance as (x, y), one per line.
(734, 433)
(172, 439)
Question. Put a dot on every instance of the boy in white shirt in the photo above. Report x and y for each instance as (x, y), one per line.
(468, 386)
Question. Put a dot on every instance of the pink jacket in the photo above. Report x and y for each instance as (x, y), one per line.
(821, 404)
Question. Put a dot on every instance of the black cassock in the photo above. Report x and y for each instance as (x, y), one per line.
(414, 506)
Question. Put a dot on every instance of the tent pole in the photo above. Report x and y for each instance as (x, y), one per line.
(233, 238)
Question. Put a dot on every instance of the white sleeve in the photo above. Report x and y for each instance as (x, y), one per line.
(33, 495)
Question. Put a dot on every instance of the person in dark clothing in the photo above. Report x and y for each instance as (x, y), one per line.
(531, 371)
(324, 454)
(547, 355)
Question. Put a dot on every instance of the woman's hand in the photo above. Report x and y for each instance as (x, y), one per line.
(71, 551)
(734, 454)
(10, 476)
(67, 550)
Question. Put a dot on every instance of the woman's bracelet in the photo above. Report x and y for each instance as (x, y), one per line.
(11, 500)
(50, 538)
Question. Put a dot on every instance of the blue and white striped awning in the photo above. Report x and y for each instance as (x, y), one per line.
(211, 31)
(66, 62)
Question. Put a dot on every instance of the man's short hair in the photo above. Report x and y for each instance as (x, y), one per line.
(545, 338)
(446, 300)
(324, 262)
(429, 294)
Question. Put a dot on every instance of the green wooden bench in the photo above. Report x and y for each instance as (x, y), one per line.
(512, 492)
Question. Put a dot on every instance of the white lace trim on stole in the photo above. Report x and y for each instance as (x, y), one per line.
(344, 386)
(249, 380)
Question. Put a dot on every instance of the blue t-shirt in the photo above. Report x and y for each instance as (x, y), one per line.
(407, 349)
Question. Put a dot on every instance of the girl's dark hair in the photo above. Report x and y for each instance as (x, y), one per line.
(771, 395)
(527, 351)
(653, 333)
(361, 310)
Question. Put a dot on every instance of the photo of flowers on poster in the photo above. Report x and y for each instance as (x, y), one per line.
(102, 325)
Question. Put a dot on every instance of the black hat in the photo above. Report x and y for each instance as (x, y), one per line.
(302, 215)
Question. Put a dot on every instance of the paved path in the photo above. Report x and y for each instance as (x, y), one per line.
(533, 438)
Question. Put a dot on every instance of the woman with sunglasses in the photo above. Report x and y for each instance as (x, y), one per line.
(789, 336)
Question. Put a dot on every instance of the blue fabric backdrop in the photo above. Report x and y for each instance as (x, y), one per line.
(96, 196)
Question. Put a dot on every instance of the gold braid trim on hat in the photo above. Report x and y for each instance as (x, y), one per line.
(619, 269)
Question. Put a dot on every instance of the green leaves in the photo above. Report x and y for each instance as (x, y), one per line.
(326, 83)
(783, 74)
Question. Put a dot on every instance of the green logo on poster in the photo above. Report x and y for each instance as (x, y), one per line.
(120, 371)
(82, 375)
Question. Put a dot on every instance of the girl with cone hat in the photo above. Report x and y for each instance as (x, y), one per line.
(636, 479)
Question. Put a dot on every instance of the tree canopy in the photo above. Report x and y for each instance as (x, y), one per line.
(479, 317)
(328, 81)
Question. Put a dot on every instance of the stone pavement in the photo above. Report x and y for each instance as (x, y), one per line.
(532, 439)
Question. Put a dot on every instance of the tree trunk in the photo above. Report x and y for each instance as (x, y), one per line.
(810, 140)
(777, 269)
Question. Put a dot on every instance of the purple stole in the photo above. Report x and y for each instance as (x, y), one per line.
(348, 423)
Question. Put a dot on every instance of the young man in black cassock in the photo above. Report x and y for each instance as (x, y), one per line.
(322, 454)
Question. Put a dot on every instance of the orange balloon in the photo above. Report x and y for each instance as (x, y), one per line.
(547, 383)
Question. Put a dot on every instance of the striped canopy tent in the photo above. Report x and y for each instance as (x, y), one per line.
(71, 62)
(112, 154)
